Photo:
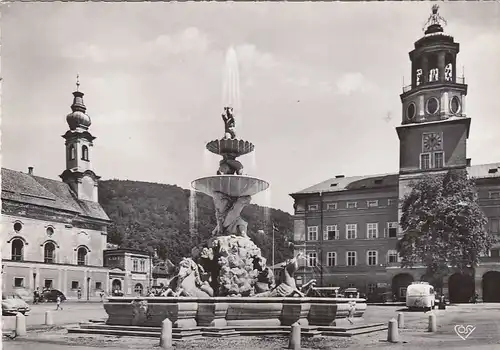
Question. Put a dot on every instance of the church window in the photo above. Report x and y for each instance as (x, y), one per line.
(455, 105)
(432, 105)
(85, 153)
(433, 74)
(17, 250)
(82, 256)
(49, 252)
(438, 159)
(72, 152)
(18, 226)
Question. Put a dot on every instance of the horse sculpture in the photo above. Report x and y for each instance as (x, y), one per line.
(187, 282)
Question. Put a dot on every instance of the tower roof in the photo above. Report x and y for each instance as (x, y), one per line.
(78, 117)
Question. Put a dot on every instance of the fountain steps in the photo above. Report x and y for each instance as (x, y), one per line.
(183, 333)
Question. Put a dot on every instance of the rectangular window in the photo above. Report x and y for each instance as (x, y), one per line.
(98, 285)
(312, 259)
(331, 259)
(331, 232)
(392, 229)
(351, 231)
(392, 256)
(391, 202)
(47, 284)
(372, 230)
(372, 203)
(438, 159)
(135, 265)
(351, 205)
(495, 253)
(494, 194)
(312, 207)
(312, 233)
(18, 282)
(74, 284)
(372, 256)
(371, 288)
(494, 225)
(351, 258)
(331, 206)
(351, 285)
(143, 265)
(425, 161)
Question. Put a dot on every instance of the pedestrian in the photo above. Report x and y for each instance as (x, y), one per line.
(36, 296)
(79, 293)
(102, 295)
(58, 303)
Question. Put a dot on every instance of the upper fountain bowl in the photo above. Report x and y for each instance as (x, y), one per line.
(231, 185)
(234, 146)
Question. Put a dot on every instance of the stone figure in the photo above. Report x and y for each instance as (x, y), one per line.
(265, 277)
(287, 286)
(227, 214)
(140, 312)
(229, 165)
(229, 123)
(187, 282)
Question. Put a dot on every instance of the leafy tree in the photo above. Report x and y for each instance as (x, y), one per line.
(443, 224)
(149, 216)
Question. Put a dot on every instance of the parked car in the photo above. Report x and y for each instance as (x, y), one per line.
(51, 295)
(12, 304)
(351, 293)
(420, 295)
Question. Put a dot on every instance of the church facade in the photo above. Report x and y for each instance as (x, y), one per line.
(348, 227)
(54, 232)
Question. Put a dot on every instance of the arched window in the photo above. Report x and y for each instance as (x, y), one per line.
(72, 152)
(138, 289)
(17, 250)
(49, 255)
(85, 153)
(82, 256)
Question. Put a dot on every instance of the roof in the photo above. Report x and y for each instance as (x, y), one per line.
(339, 184)
(35, 190)
(113, 251)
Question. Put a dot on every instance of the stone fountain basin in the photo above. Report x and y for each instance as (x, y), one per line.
(231, 185)
(186, 312)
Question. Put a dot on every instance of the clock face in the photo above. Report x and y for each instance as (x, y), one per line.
(432, 142)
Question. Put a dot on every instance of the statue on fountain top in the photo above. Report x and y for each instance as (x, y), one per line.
(229, 123)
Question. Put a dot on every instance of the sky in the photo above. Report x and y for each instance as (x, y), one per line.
(319, 86)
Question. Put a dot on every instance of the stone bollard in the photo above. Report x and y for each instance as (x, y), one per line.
(401, 320)
(166, 334)
(20, 325)
(392, 331)
(294, 337)
(49, 320)
(432, 323)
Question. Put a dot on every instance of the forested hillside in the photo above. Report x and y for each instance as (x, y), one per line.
(148, 215)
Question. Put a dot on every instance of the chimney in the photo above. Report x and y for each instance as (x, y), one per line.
(339, 176)
(468, 161)
(30, 170)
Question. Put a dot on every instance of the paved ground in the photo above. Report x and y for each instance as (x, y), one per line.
(484, 317)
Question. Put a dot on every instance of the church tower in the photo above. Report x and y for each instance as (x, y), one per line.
(434, 130)
(79, 174)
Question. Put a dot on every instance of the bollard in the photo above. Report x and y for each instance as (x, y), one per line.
(49, 320)
(166, 334)
(392, 331)
(20, 325)
(294, 337)
(401, 320)
(432, 323)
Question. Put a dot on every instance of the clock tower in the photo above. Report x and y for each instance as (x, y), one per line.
(434, 128)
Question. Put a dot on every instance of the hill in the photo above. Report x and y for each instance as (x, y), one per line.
(149, 216)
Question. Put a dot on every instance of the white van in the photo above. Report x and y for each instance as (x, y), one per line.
(420, 295)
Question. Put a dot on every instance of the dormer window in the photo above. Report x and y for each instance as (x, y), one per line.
(85, 153)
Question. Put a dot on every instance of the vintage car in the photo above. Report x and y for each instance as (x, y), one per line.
(420, 295)
(12, 304)
(51, 295)
(351, 293)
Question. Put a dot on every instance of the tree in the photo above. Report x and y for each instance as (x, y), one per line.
(443, 224)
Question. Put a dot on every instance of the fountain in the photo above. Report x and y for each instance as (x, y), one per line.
(225, 287)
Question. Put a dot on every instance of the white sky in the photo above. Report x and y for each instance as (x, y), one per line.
(317, 83)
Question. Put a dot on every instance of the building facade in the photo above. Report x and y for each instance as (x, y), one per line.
(348, 227)
(130, 271)
(54, 232)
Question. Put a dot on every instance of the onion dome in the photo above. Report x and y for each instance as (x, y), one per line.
(78, 118)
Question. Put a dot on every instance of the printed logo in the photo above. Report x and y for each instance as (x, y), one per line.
(464, 331)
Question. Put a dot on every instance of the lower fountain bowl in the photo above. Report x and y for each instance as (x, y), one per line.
(231, 185)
